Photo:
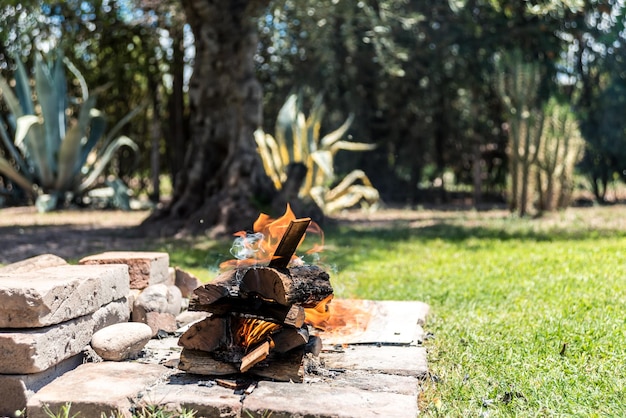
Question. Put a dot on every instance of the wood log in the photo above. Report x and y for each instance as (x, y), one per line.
(201, 362)
(303, 285)
(224, 285)
(314, 346)
(280, 367)
(207, 335)
(255, 356)
(293, 315)
(289, 242)
(287, 339)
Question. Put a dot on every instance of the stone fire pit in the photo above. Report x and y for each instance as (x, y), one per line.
(50, 310)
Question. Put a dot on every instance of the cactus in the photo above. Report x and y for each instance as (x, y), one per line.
(518, 83)
(562, 147)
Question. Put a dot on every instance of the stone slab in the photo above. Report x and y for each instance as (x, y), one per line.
(185, 391)
(16, 389)
(385, 322)
(145, 268)
(363, 380)
(57, 294)
(164, 351)
(96, 388)
(396, 360)
(34, 350)
(33, 264)
(286, 400)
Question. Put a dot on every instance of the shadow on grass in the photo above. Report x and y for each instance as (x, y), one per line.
(346, 235)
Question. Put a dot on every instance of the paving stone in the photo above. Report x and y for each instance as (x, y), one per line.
(396, 360)
(58, 294)
(388, 322)
(286, 400)
(145, 268)
(16, 389)
(34, 350)
(182, 390)
(121, 341)
(96, 388)
(34, 263)
(376, 382)
(165, 351)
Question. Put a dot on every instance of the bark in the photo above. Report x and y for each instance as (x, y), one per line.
(223, 178)
(303, 285)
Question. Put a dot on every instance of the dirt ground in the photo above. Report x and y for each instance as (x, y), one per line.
(70, 234)
(73, 234)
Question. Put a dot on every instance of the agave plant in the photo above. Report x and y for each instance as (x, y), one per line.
(297, 140)
(53, 150)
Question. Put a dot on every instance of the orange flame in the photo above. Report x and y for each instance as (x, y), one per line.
(319, 316)
(257, 248)
(342, 316)
(253, 331)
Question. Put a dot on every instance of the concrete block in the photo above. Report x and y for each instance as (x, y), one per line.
(57, 294)
(34, 350)
(286, 400)
(33, 264)
(96, 388)
(194, 393)
(395, 360)
(145, 268)
(16, 389)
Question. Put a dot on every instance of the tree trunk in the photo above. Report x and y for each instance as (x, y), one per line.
(223, 178)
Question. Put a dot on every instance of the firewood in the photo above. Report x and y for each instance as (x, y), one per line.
(289, 242)
(314, 345)
(224, 285)
(206, 335)
(302, 285)
(282, 367)
(256, 308)
(289, 338)
(201, 362)
(255, 356)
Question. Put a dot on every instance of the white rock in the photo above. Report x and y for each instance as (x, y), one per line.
(159, 298)
(121, 341)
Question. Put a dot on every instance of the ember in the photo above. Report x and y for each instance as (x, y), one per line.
(258, 306)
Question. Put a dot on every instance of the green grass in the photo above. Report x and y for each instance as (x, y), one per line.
(528, 317)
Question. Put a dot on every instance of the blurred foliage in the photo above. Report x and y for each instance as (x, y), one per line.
(562, 147)
(297, 141)
(59, 149)
(418, 77)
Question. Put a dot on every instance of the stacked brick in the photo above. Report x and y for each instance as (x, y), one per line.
(49, 311)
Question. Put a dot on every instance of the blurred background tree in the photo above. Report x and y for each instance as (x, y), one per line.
(419, 78)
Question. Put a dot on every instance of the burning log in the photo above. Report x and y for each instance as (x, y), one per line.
(257, 321)
(303, 285)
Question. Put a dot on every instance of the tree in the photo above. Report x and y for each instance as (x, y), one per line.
(222, 186)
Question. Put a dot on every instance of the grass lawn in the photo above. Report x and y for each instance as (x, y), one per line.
(528, 317)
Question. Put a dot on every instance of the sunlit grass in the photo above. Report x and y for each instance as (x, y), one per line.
(528, 317)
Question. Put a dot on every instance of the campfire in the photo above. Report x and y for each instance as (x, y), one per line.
(262, 306)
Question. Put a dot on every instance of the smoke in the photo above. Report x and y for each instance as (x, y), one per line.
(248, 246)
